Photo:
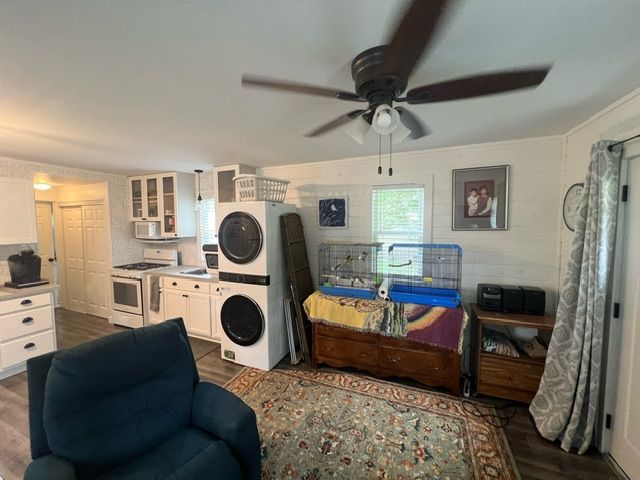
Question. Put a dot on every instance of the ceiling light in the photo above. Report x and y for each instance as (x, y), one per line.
(41, 186)
(385, 120)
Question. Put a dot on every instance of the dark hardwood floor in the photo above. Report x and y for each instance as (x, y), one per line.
(537, 459)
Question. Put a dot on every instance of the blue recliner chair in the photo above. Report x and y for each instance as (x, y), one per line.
(131, 406)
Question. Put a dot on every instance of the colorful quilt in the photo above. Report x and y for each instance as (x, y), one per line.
(434, 326)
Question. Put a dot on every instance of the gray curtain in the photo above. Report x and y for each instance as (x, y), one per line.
(565, 406)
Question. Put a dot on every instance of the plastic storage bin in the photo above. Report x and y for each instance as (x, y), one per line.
(425, 273)
(251, 188)
(349, 269)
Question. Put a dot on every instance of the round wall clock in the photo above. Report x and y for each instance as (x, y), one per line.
(571, 204)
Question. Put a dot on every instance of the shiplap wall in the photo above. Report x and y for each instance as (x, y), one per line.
(525, 254)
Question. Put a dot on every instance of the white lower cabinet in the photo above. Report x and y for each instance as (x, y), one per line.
(27, 330)
(192, 301)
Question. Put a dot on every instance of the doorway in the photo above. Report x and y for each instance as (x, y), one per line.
(46, 247)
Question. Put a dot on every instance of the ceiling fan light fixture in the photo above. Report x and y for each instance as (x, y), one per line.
(401, 133)
(385, 120)
(358, 129)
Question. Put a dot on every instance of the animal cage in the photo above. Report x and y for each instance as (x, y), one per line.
(349, 269)
(425, 273)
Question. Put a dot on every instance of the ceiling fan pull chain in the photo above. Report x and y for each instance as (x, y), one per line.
(390, 156)
(379, 154)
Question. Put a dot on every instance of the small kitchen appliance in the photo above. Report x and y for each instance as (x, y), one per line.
(24, 269)
(211, 257)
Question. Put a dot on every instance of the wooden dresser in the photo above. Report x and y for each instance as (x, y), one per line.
(386, 356)
(507, 377)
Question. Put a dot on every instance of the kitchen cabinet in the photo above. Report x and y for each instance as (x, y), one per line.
(18, 219)
(167, 198)
(224, 186)
(192, 301)
(27, 329)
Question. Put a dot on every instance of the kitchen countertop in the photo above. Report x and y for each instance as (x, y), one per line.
(7, 293)
(175, 272)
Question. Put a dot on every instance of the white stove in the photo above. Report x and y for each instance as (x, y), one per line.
(126, 286)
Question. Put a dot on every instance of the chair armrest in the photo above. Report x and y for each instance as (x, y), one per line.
(224, 415)
(50, 466)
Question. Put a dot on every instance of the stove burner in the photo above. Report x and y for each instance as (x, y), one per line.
(140, 266)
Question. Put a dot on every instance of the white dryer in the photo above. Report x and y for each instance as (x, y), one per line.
(253, 324)
(249, 239)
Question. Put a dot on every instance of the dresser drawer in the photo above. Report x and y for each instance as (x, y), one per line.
(355, 353)
(24, 303)
(16, 325)
(345, 334)
(425, 363)
(508, 373)
(173, 283)
(17, 351)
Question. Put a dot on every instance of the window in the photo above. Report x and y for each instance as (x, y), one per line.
(397, 216)
(207, 222)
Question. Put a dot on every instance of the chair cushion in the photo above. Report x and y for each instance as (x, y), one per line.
(190, 454)
(114, 398)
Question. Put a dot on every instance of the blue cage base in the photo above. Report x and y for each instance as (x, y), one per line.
(439, 297)
(348, 292)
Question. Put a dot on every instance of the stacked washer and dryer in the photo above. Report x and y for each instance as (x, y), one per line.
(253, 282)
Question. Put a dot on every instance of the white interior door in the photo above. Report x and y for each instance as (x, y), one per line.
(96, 261)
(46, 244)
(625, 436)
(72, 234)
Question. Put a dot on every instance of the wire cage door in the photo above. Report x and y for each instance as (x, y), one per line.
(425, 273)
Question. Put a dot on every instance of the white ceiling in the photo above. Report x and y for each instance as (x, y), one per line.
(124, 86)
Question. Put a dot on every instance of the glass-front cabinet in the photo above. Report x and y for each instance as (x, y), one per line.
(167, 198)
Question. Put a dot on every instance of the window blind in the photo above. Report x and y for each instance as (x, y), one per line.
(397, 214)
(207, 222)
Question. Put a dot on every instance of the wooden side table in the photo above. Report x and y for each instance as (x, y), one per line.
(507, 377)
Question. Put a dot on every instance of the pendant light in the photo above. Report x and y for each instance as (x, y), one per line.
(199, 199)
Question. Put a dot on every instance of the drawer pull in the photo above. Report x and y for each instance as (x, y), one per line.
(26, 302)
(393, 360)
(196, 286)
(329, 349)
(175, 284)
(363, 355)
(27, 320)
(185, 295)
(29, 345)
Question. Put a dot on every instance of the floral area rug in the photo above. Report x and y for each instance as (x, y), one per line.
(319, 425)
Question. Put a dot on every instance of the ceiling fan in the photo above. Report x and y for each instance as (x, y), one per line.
(381, 76)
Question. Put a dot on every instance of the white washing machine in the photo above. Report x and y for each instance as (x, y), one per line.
(249, 239)
(254, 332)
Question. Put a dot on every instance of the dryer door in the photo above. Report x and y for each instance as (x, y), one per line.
(240, 237)
(242, 320)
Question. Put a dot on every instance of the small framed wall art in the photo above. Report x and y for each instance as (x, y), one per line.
(332, 212)
(480, 198)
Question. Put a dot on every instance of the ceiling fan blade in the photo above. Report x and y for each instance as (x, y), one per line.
(412, 37)
(413, 123)
(335, 123)
(477, 86)
(286, 86)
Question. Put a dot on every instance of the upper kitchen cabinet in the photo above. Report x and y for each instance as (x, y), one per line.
(18, 216)
(224, 186)
(168, 198)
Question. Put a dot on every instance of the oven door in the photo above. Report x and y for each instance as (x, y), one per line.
(127, 295)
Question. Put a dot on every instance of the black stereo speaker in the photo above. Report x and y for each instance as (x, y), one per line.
(534, 300)
(512, 299)
(489, 297)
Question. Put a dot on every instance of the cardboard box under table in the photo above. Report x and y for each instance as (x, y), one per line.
(386, 339)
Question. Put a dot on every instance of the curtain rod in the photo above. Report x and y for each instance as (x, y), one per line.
(610, 147)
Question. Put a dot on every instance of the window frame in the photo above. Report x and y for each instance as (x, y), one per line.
(206, 195)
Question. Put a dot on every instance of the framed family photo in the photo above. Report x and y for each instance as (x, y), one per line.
(480, 198)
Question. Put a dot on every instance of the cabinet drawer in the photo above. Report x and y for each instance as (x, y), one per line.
(24, 303)
(345, 334)
(507, 373)
(17, 351)
(174, 283)
(353, 352)
(16, 325)
(425, 363)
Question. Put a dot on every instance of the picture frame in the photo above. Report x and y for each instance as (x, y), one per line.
(333, 213)
(480, 198)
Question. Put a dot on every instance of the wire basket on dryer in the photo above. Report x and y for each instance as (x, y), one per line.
(425, 273)
(349, 269)
(251, 188)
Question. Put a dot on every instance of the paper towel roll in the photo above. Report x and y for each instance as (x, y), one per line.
(383, 291)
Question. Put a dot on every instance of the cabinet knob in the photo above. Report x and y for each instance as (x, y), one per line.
(26, 302)
(185, 296)
(29, 345)
(196, 286)
(175, 284)
(27, 320)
